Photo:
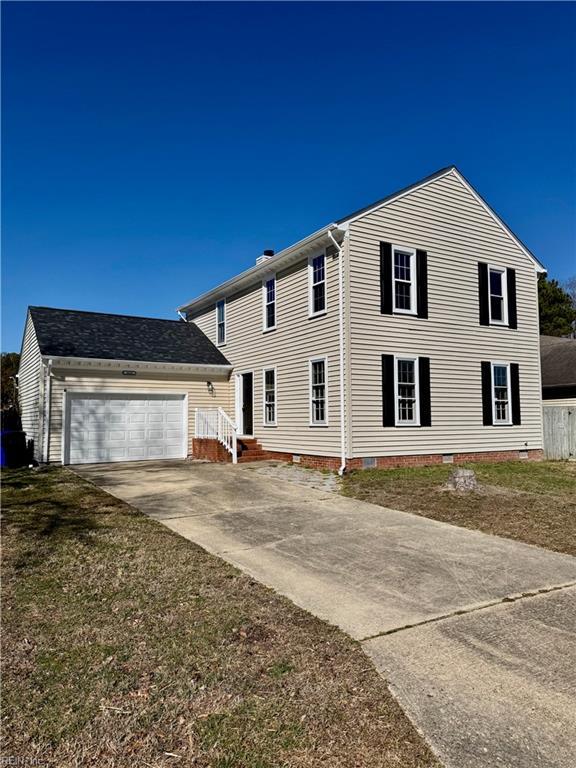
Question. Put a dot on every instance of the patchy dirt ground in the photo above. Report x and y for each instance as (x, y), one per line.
(534, 502)
(126, 645)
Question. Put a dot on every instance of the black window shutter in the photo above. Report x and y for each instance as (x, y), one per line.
(486, 393)
(422, 282)
(511, 289)
(515, 392)
(424, 381)
(386, 278)
(388, 416)
(483, 295)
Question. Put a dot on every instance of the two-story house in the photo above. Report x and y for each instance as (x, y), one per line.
(404, 333)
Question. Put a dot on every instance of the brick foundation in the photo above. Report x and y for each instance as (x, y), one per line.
(332, 463)
(209, 450)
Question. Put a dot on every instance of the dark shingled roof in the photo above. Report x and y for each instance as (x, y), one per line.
(558, 357)
(72, 333)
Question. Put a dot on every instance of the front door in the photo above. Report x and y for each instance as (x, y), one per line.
(247, 403)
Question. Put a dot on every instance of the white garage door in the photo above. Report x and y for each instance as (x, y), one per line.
(105, 427)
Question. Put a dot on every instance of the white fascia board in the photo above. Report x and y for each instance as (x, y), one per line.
(255, 274)
(103, 365)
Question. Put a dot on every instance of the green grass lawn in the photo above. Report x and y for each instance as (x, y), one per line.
(534, 502)
(126, 645)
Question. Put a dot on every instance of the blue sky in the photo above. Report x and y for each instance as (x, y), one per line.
(151, 150)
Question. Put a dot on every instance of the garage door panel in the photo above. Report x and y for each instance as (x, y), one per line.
(104, 428)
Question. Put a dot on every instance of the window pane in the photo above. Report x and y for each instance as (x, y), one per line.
(318, 372)
(220, 309)
(500, 376)
(496, 308)
(270, 289)
(402, 265)
(495, 283)
(270, 315)
(221, 335)
(318, 269)
(318, 298)
(406, 371)
(402, 295)
(318, 410)
(406, 410)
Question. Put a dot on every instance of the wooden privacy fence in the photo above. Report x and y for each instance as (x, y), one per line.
(559, 432)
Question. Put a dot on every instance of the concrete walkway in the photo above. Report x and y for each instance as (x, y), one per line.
(476, 634)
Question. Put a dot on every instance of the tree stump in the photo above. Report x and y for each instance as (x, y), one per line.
(462, 480)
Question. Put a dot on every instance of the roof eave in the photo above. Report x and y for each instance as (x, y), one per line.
(254, 274)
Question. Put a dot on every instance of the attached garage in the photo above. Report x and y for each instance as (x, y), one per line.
(99, 388)
(117, 427)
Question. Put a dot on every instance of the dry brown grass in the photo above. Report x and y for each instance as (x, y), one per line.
(534, 502)
(125, 645)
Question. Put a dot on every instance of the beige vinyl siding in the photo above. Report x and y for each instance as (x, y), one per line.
(30, 387)
(446, 220)
(297, 338)
(196, 389)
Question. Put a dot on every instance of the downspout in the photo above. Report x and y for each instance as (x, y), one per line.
(48, 410)
(342, 468)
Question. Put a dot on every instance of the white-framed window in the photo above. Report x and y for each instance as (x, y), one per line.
(221, 322)
(498, 295)
(501, 401)
(317, 285)
(269, 394)
(404, 279)
(406, 391)
(318, 391)
(269, 303)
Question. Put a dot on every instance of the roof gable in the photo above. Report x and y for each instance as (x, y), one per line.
(72, 333)
(450, 170)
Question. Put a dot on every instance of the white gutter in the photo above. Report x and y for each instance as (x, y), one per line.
(340, 249)
(181, 316)
(106, 364)
(47, 409)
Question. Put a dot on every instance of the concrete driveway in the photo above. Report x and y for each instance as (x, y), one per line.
(476, 634)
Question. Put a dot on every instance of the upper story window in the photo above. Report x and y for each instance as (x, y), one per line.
(498, 301)
(404, 279)
(221, 322)
(318, 393)
(317, 284)
(501, 413)
(497, 295)
(269, 303)
(270, 397)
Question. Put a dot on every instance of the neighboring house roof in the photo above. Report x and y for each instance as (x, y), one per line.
(72, 333)
(558, 358)
(321, 237)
